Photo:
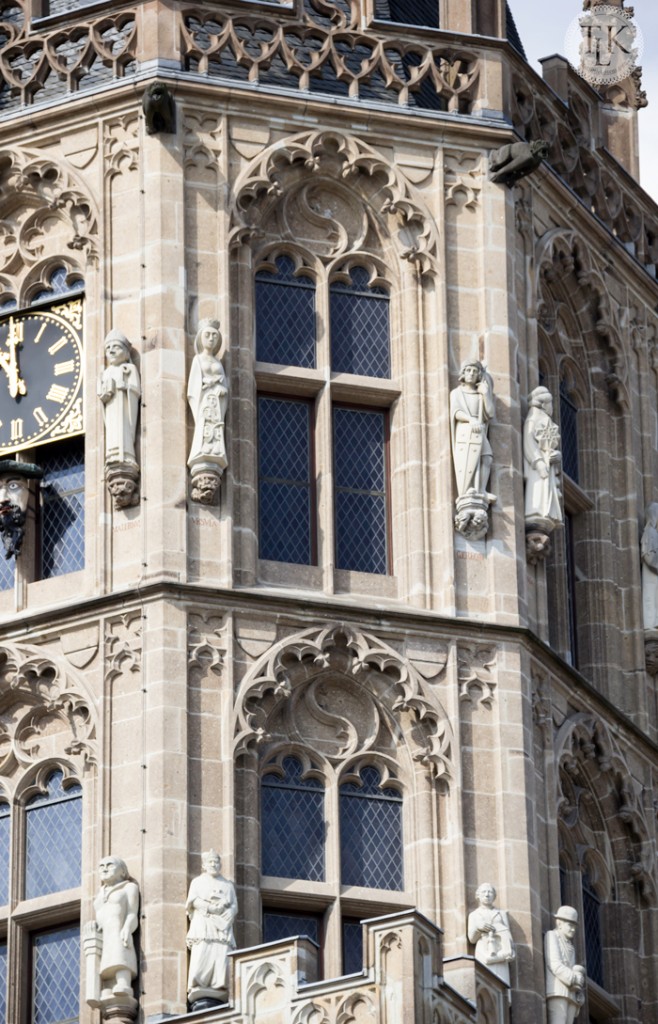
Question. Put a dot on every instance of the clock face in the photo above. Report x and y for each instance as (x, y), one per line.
(40, 376)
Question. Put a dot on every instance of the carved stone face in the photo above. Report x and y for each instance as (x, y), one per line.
(485, 895)
(565, 928)
(471, 374)
(116, 353)
(110, 870)
(14, 491)
(212, 864)
(210, 339)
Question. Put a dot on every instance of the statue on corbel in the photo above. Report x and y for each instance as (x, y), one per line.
(649, 554)
(109, 945)
(489, 931)
(542, 471)
(207, 394)
(471, 410)
(119, 389)
(14, 498)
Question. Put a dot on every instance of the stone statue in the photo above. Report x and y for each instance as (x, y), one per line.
(119, 390)
(108, 940)
(211, 907)
(516, 160)
(207, 393)
(489, 931)
(14, 497)
(159, 109)
(542, 469)
(649, 550)
(471, 410)
(565, 979)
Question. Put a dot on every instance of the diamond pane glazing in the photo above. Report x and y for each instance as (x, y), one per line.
(286, 926)
(352, 946)
(51, 867)
(360, 501)
(5, 823)
(58, 286)
(3, 981)
(285, 492)
(359, 318)
(370, 835)
(292, 824)
(56, 976)
(592, 928)
(7, 569)
(285, 316)
(569, 433)
(63, 515)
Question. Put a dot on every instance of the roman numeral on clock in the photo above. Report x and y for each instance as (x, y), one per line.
(66, 367)
(57, 393)
(40, 416)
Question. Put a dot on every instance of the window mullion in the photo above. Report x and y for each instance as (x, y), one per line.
(333, 963)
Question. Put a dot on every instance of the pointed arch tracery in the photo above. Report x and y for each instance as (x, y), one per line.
(338, 194)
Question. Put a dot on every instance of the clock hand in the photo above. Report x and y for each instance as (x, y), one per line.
(10, 363)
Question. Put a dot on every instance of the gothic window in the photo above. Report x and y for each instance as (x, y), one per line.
(569, 432)
(63, 509)
(40, 938)
(293, 823)
(306, 436)
(370, 832)
(592, 931)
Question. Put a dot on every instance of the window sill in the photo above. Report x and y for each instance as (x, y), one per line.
(602, 1006)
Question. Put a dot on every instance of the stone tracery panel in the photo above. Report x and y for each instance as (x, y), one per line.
(346, 692)
(300, 189)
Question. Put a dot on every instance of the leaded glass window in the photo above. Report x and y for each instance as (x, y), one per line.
(352, 945)
(5, 826)
(7, 570)
(286, 925)
(285, 486)
(285, 316)
(293, 831)
(63, 511)
(56, 976)
(592, 930)
(370, 833)
(58, 285)
(359, 317)
(52, 867)
(360, 481)
(569, 433)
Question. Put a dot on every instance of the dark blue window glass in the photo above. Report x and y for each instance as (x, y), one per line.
(370, 833)
(292, 824)
(569, 433)
(63, 512)
(3, 981)
(7, 569)
(52, 867)
(359, 327)
(592, 929)
(56, 976)
(5, 823)
(360, 490)
(352, 945)
(285, 486)
(283, 925)
(285, 316)
(58, 286)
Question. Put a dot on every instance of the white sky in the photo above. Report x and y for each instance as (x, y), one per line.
(543, 27)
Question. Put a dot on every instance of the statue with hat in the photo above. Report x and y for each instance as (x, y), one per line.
(565, 979)
(211, 907)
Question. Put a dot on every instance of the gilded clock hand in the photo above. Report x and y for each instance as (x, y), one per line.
(9, 362)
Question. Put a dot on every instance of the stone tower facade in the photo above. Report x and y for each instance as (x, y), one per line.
(260, 604)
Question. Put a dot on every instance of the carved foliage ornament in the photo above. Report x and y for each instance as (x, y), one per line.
(342, 183)
(123, 644)
(346, 688)
(477, 675)
(43, 712)
(43, 211)
(586, 751)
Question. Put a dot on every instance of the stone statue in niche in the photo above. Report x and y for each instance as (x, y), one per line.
(159, 109)
(649, 551)
(207, 393)
(211, 907)
(565, 979)
(489, 931)
(119, 390)
(471, 410)
(14, 497)
(108, 941)
(516, 160)
(542, 469)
